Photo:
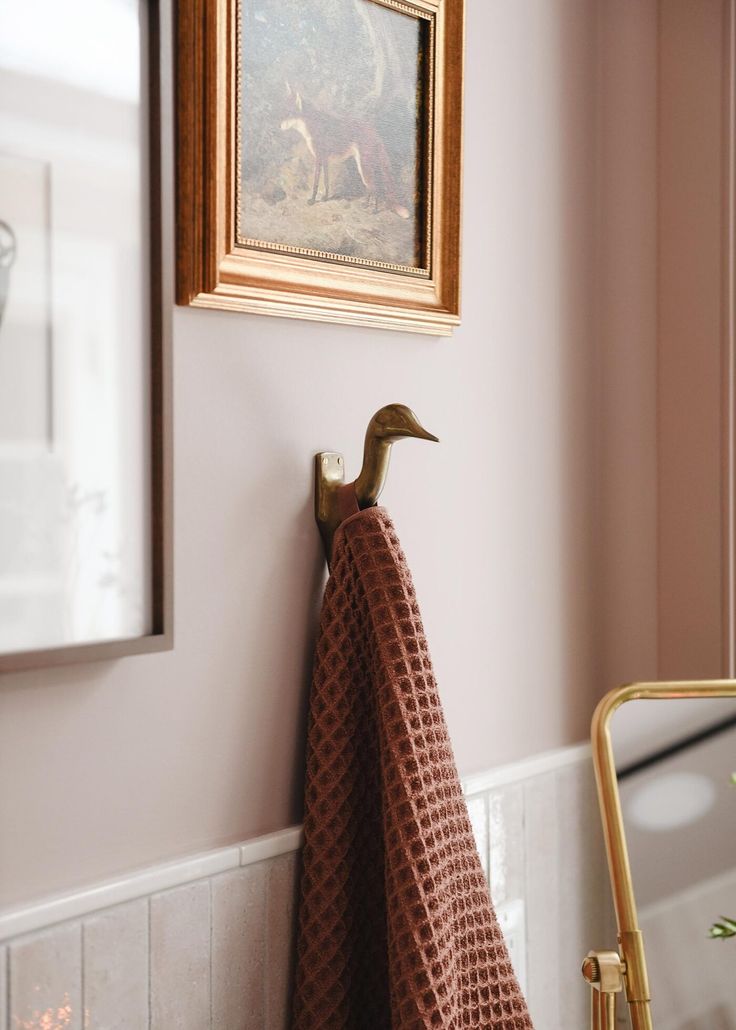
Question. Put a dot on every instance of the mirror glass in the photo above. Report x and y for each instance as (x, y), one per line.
(75, 340)
(675, 762)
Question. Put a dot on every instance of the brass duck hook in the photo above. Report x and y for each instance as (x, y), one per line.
(391, 423)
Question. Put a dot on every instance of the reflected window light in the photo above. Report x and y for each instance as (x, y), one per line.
(671, 801)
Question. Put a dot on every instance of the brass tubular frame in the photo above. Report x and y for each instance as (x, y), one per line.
(603, 1008)
(631, 943)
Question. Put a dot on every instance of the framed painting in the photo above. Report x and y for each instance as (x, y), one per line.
(84, 396)
(319, 159)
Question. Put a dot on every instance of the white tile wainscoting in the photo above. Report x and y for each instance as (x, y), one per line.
(207, 943)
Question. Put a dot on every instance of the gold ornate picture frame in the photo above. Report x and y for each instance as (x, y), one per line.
(319, 159)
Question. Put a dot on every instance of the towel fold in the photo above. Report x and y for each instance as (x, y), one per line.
(396, 927)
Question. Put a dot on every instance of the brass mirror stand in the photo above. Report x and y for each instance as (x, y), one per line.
(610, 972)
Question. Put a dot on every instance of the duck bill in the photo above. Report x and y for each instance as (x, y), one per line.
(422, 434)
(417, 431)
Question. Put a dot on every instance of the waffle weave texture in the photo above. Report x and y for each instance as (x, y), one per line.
(396, 927)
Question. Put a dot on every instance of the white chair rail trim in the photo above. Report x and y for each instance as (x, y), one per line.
(144, 882)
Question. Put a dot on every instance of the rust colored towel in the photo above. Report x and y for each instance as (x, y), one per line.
(396, 929)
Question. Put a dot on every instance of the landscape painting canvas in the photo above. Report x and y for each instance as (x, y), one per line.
(334, 125)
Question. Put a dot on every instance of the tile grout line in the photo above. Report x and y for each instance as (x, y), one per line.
(211, 915)
(148, 913)
(527, 964)
(81, 973)
(563, 792)
(527, 881)
(266, 949)
(488, 849)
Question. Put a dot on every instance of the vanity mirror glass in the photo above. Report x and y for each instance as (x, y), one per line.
(665, 759)
(82, 455)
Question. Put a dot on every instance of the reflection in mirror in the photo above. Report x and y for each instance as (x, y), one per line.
(75, 345)
(674, 763)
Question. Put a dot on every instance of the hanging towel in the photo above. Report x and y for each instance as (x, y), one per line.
(396, 927)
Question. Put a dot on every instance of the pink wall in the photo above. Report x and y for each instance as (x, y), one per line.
(694, 636)
(627, 335)
(109, 766)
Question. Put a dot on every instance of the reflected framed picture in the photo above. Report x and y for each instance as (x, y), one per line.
(319, 159)
(84, 443)
(26, 353)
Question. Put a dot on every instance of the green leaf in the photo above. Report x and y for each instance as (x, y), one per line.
(726, 928)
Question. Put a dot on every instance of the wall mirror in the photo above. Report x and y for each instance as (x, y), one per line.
(83, 372)
(665, 757)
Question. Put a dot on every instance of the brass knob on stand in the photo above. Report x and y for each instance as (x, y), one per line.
(604, 971)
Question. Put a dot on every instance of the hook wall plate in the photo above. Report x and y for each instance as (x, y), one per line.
(329, 474)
